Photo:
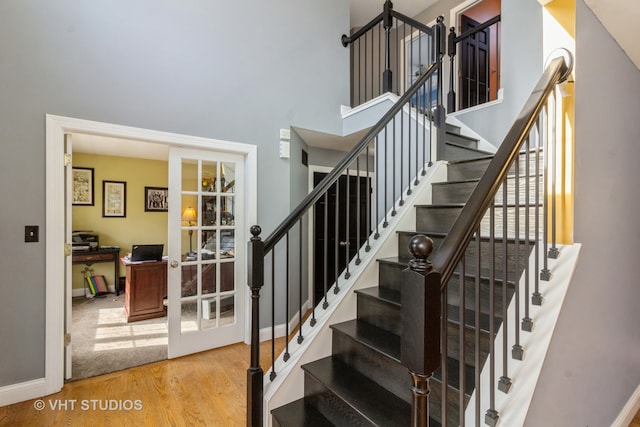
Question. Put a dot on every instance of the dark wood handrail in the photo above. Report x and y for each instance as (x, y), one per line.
(333, 176)
(454, 245)
(375, 21)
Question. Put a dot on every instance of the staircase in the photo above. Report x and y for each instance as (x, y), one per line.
(363, 382)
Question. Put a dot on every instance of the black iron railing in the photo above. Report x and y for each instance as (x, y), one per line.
(390, 160)
(478, 67)
(388, 54)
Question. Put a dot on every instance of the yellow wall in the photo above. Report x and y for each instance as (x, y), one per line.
(138, 227)
(560, 32)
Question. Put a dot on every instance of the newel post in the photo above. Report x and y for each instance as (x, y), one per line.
(420, 341)
(255, 272)
(387, 75)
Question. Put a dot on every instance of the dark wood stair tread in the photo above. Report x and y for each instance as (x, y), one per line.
(384, 294)
(363, 395)
(382, 341)
(299, 413)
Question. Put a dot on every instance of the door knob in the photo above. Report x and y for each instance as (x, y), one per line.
(344, 243)
(174, 264)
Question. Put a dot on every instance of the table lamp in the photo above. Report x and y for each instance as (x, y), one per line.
(189, 216)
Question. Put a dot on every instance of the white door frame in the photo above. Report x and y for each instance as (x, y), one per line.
(56, 128)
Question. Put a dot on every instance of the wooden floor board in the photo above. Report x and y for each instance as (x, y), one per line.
(204, 389)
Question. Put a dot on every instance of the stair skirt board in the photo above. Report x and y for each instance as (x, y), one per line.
(288, 385)
(513, 406)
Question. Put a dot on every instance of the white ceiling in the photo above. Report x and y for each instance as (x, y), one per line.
(107, 146)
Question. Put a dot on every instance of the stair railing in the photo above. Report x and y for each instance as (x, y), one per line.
(390, 158)
(474, 83)
(391, 43)
(506, 218)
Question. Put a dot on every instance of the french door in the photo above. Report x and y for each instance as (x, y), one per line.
(206, 264)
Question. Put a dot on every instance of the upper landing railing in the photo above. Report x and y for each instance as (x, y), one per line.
(388, 54)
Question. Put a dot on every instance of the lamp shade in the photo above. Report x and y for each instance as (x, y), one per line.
(189, 215)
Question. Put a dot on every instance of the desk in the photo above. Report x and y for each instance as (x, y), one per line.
(145, 290)
(100, 255)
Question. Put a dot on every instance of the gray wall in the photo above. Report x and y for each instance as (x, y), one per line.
(593, 364)
(520, 66)
(232, 70)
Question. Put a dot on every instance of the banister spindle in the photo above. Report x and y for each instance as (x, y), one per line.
(420, 341)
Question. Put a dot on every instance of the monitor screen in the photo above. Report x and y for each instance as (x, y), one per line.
(146, 252)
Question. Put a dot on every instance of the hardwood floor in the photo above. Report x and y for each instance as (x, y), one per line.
(636, 420)
(204, 389)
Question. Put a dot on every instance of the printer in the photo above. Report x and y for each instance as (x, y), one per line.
(84, 241)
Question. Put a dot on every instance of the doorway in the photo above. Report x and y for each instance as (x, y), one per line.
(334, 252)
(58, 261)
(478, 73)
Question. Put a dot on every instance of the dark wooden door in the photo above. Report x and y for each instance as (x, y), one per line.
(333, 245)
(474, 65)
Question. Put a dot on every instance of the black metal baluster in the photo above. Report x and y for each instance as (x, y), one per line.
(461, 329)
(368, 206)
(380, 55)
(477, 362)
(536, 297)
(527, 322)
(424, 126)
(491, 416)
(517, 350)
(417, 109)
(366, 36)
(372, 66)
(347, 274)
(325, 304)
(273, 315)
(286, 300)
(300, 336)
(358, 225)
(445, 351)
(360, 78)
(377, 187)
(385, 180)
(505, 382)
(393, 172)
(336, 236)
(545, 274)
(401, 158)
(553, 251)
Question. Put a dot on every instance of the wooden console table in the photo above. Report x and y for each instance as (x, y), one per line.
(100, 255)
(146, 288)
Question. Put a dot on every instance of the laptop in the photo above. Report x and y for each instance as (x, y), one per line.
(146, 252)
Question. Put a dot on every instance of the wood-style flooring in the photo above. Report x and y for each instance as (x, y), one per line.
(204, 389)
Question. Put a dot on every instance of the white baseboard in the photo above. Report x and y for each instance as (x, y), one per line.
(629, 411)
(280, 331)
(22, 391)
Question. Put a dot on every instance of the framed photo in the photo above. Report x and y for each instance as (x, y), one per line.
(82, 186)
(114, 199)
(156, 199)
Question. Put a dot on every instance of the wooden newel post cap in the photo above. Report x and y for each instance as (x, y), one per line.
(421, 248)
(255, 232)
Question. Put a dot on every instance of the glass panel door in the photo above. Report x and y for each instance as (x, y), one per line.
(206, 299)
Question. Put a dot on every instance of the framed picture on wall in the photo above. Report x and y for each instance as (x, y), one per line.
(82, 186)
(156, 199)
(114, 199)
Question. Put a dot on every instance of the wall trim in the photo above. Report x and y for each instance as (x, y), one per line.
(56, 128)
(22, 391)
(629, 411)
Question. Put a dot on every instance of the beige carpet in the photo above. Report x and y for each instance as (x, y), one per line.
(103, 341)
